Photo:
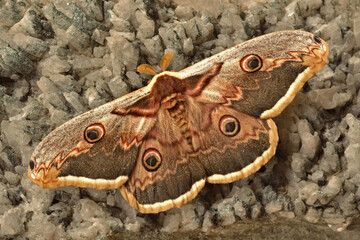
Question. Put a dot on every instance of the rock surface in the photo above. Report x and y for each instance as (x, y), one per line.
(59, 59)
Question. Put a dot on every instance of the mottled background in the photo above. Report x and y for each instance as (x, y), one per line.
(59, 59)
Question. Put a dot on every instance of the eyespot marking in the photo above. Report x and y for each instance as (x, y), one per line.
(229, 125)
(94, 133)
(151, 159)
(251, 63)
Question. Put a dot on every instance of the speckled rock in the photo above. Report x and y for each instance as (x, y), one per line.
(59, 59)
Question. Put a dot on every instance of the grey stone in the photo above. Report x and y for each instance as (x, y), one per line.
(110, 200)
(207, 223)
(134, 80)
(77, 38)
(93, 98)
(33, 48)
(188, 47)
(58, 19)
(199, 30)
(12, 178)
(352, 157)
(82, 65)
(244, 195)
(356, 26)
(332, 188)
(299, 207)
(189, 219)
(12, 106)
(171, 222)
(268, 195)
(47, 231)
(330, 98)
(179, 61)
(65, 83)
(300, 164)
(15, 60)
(228, 21)
(118, 87)
(317, 176)
(5, 203)
(99, 36)
(47, 86)
(52, 101)
(147, 26)
(328, 11)
(330, 162)
(76, 102)
(184, 12)
(8, 159)
(240, 210)
(310, 142)
(103, 88)
(347, 204)
(224, 41)
(256, 211)
(21, 89)
(16, 133)
(309, 193)
(350, 125)
(82, 21)
(97, 195)
(308, 7)
(173, 37)
(255, 15)
(326, 30)
(326, 73)
(225, 212)
(58, 117)
(39, 198)
(53, 65)
(135, 226)
(313, 215)
(92, 8)
(33, 110)
(120, 24)
(89, 220)
(92, 78)
(125, 9)
(274, 206)
(354, 64)
(130, 36)
(163, 15)
(12, 222)
(100, 51)
(153, 50)
(11, 13)
(59, 212)
(286, 214)
(333, 133)
(124, 51)
(121, 203)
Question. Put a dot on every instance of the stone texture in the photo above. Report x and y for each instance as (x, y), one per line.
(60, 59)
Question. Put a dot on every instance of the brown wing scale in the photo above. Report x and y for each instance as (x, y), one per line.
(209, 122)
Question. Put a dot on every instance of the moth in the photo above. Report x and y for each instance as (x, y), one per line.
(211, 122)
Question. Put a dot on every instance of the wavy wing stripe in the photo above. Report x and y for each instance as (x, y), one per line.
(254, 166)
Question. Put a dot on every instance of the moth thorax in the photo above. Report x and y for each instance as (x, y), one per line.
(176, 108)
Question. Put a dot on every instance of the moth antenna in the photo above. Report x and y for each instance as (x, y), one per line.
(165, 61)
(146, 68)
